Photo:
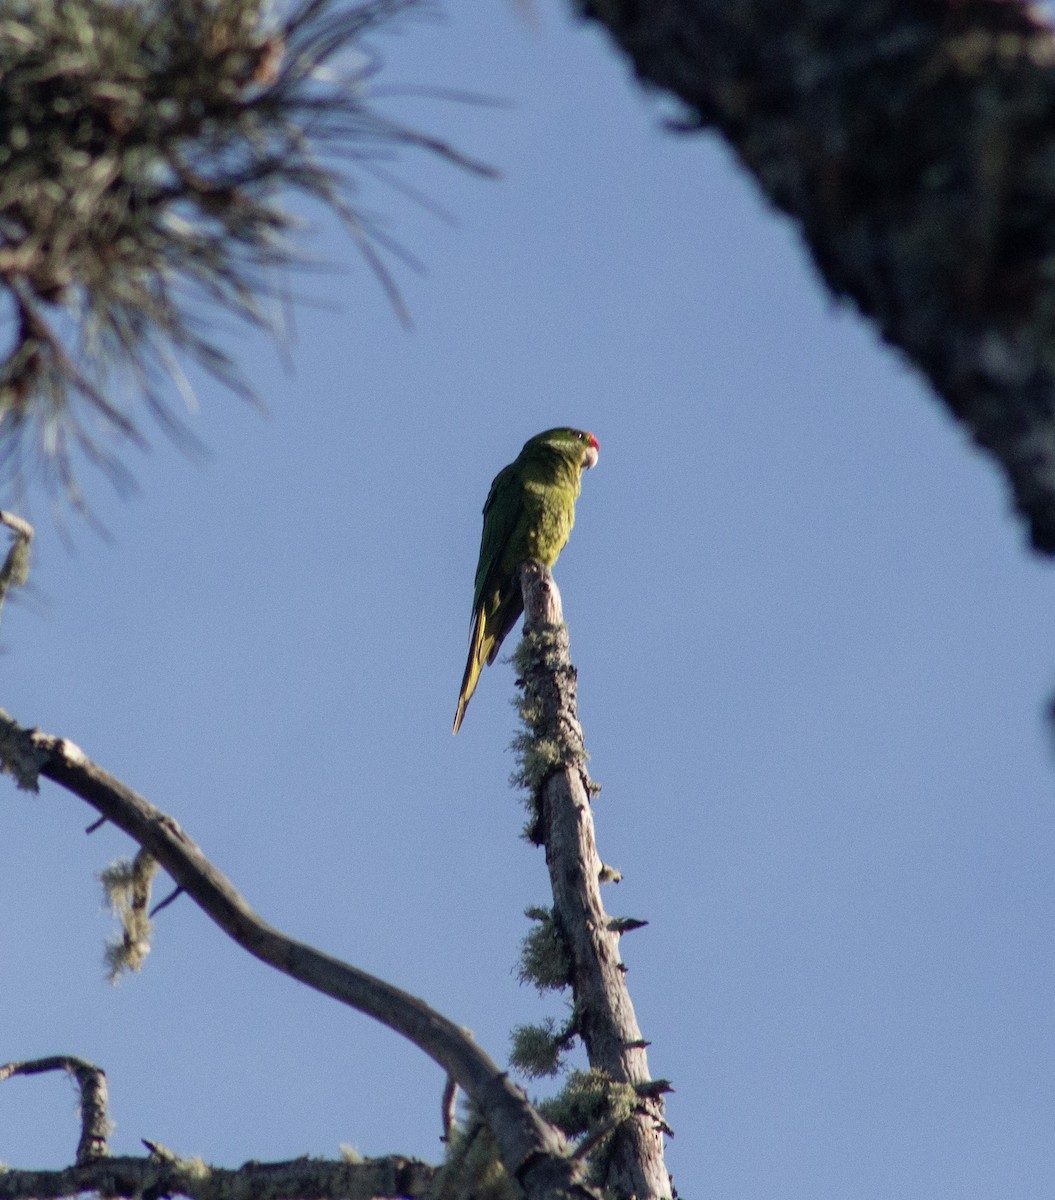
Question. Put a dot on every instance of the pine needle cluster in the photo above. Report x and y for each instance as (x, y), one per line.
(148, 150)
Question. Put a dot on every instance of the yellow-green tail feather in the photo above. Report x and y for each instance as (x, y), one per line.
(473, 667)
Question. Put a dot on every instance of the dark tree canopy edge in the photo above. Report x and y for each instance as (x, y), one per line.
(914, 143)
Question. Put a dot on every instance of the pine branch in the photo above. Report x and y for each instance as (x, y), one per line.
(147, 152)
(553, 757)
(533, 1152)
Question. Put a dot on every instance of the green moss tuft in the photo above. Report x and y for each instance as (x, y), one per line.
(544, 958)
(590, 1100)
(538, 1049)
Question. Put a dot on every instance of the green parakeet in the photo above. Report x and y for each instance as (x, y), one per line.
(529, 513)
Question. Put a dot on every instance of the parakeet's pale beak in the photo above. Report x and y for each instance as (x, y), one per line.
(593, 449)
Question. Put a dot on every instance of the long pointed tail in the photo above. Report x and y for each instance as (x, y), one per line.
(474, 665)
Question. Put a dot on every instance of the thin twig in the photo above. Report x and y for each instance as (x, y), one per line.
(173, 895)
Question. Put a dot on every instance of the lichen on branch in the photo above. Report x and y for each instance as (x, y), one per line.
(127, 885)
(616, 1109)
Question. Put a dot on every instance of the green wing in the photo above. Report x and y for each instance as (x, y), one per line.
(502, 511)
(497, 600)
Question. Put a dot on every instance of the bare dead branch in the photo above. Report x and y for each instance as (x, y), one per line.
(533, 1151)
(605, 1014)
(625, 924)
(91, 1080)
(165, 1174)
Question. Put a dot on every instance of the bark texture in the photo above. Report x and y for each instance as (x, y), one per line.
(166, 1175)
(604, 1013)
(91, 1083)
(914, 143)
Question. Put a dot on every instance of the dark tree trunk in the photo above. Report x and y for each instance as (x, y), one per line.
(914, 143)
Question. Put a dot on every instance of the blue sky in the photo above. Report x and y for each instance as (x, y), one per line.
(813, 658)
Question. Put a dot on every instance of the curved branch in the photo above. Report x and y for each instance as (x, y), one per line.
(913, 143)
(91, 1080)
(532, 1150)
